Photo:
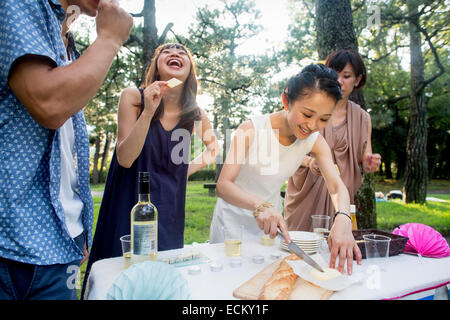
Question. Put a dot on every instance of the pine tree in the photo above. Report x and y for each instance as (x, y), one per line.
(335, 30)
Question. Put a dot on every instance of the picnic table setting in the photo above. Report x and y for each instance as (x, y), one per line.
(411, 262)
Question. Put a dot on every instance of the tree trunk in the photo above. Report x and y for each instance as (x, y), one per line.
(334, 26)
(399, 153)
(387, 170)
(95, 179)
(150, 35)
(226, 143)
(381, 168)
(366, 214)
(105, 155)
(416, 171)
(335, 30)
(438, 158)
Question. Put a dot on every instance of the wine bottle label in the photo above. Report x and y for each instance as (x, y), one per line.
(144, 239)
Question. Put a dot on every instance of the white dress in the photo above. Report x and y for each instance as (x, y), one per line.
(267, 167)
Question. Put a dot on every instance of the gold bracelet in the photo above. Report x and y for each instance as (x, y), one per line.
(261, 208)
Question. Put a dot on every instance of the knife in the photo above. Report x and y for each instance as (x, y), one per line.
(300, 253)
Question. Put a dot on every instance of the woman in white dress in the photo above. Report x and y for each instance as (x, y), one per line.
(268, 149)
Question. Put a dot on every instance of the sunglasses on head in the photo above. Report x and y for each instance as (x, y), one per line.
(174, 45)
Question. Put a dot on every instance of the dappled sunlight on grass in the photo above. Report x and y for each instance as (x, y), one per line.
(393, 213)
(199, 212)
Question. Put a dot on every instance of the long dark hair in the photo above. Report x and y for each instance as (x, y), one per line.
(314, 77)
(190, 111)
(338, 60)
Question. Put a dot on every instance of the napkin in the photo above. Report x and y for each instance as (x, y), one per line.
(303, 270)
(149, 280)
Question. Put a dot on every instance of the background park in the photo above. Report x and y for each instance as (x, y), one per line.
(246, 50)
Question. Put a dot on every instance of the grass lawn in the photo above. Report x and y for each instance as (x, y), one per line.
(199, 211)
(435, 214)
(200, 207)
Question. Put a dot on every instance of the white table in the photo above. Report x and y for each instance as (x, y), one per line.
(404, 274)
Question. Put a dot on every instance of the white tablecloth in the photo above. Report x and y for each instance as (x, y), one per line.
(400, 276)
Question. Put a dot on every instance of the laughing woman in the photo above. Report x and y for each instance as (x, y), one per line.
(151, 122)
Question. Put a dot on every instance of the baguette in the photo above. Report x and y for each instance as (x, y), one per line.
(281, 283)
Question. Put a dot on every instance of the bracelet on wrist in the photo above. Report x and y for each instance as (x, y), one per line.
(345, 214)
(261, 208)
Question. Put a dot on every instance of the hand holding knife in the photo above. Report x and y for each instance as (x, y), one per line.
(300, 253)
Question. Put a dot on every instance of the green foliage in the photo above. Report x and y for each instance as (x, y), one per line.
(272, 100)
(101, 111)
(203, 175)
(102, 178)
(385, 48)
(437, 96)
(232, 79)
(302, 43)
(241, 83)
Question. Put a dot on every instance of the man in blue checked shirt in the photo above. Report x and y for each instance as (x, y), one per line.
(46, 209)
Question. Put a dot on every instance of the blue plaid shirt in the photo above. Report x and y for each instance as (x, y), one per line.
(32, 222)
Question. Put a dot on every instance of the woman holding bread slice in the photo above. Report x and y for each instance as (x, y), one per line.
(268, 149)
(155, 124)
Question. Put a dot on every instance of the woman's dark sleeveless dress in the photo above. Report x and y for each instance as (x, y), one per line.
(167, 192)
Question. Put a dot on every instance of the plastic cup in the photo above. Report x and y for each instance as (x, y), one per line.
(126, 249)
(321, 224)
(266, 240)
(377, 249)
(233, 240)
(377, 246)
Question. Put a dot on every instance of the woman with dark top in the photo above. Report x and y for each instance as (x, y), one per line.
(155, 124)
